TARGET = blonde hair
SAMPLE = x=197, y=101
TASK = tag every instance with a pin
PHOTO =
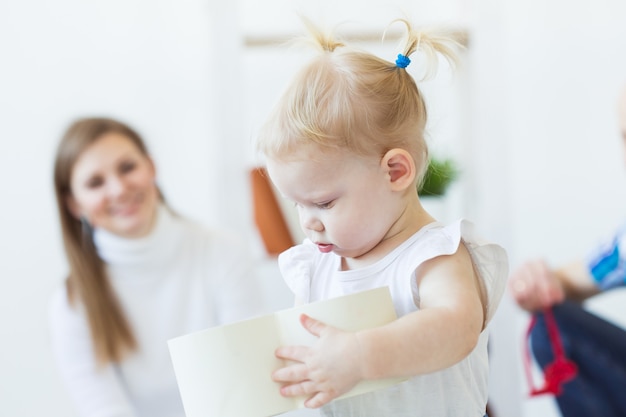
x=87, y=282
x=347, y=99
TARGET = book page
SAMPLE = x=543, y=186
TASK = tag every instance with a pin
x=226, y=371
x=353, y=312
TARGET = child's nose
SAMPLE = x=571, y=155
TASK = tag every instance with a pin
x=312, y=223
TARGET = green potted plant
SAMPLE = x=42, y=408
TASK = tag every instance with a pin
x=439, y=175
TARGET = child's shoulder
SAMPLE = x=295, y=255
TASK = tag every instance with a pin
x=436, y=237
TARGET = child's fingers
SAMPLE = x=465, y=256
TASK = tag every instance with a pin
x=292, y=353
x=298, y=390
x=292, y=373
x=315, y=327
x=318, y=400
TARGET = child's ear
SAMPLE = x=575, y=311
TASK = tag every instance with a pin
x=398, y=164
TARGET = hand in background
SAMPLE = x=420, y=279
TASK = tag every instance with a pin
x=324, y=371
x=535, y=286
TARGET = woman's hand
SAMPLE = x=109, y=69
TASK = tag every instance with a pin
x=534, y=286
x=324, y=371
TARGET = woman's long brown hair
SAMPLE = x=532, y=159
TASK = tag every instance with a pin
x=87, y=281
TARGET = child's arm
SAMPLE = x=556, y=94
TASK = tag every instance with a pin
x=441, y=333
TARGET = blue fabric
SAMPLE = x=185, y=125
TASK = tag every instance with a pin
x=607, y=262
x=599, y=349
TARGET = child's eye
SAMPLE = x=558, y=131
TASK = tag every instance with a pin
x=325, y=205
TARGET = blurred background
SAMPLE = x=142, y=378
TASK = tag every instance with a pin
x=529, y=116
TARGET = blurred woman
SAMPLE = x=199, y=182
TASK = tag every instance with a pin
x=138, y=275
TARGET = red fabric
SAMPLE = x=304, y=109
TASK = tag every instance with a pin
x=556, y=373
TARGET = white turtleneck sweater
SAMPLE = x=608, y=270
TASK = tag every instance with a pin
x=180, y=279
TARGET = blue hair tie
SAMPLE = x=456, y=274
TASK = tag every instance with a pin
x=403, y=61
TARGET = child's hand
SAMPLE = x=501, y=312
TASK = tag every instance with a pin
x=324, y=371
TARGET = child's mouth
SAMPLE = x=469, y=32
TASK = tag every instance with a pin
x=325, y=247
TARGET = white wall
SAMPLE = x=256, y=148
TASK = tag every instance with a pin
x=144, y=61
x=548, y=155
x=536, y=132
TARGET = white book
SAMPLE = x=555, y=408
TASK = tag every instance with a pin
x=225, y=371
